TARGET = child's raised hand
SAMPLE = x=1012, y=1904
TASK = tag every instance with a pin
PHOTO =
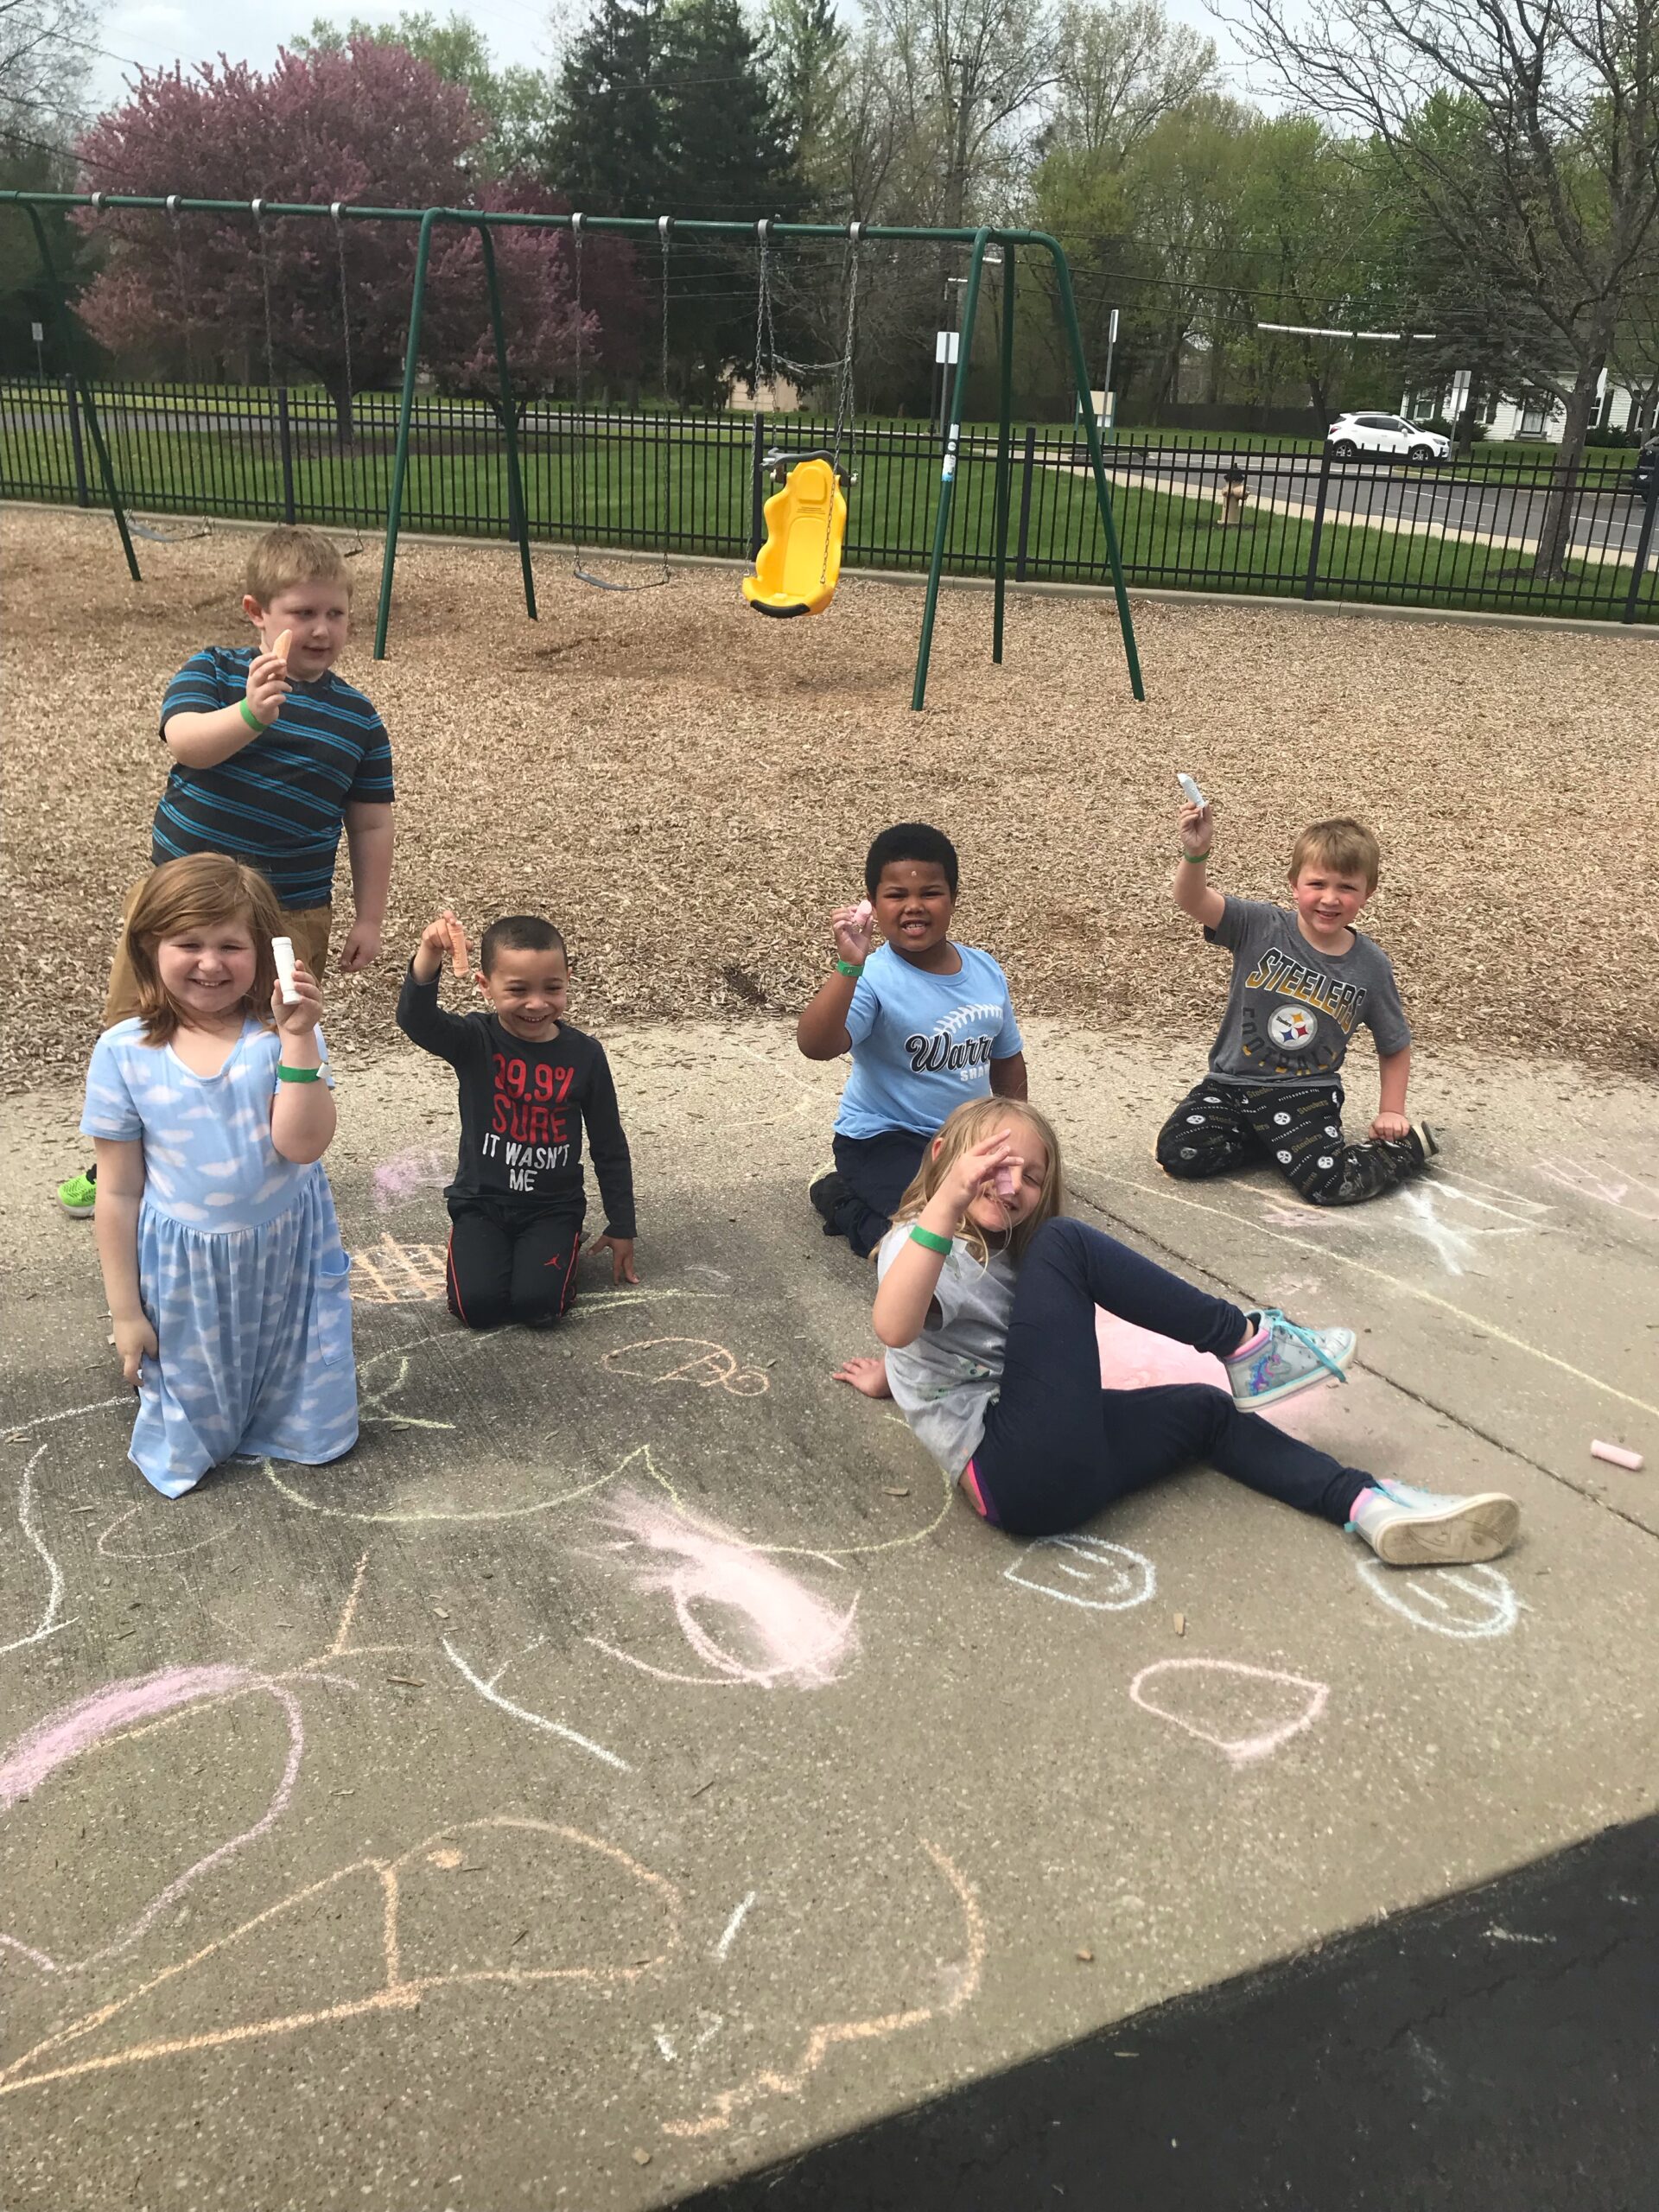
x=975, y=1170
x=441, y=940
x=854, y=932
x=1197, y=827
x=268, y=686
x=302, y=1017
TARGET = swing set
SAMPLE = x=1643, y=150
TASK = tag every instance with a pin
x=798, y=565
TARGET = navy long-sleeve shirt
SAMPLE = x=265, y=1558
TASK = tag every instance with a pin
x=524, y=1108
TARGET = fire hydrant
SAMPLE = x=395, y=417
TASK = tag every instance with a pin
x=1231, y=514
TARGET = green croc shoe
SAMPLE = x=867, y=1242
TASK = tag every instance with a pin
x=77, y=1195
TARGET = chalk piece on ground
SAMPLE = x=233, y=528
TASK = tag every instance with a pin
x=407, y=1682
x=642, y=2158
x=889, y=1487
x=282, y=951
x=1616, y=1455
x=1180, y=1624
x=1085, y=1958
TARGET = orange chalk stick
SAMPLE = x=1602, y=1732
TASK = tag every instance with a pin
x=281, y=647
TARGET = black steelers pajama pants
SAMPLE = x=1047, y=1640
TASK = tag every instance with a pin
x=1218, y=1127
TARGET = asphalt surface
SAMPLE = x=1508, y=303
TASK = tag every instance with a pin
x=631, y=1769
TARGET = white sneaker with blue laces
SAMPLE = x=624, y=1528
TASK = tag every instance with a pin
x=1408, y=1527
x=1282, y=1357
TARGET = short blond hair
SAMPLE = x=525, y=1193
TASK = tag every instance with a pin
x=288, y=556
x=1345, y=846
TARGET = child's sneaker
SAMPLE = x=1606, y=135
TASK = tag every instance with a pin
x=1282, y=1357
x=1407, y=1527
x=824, y=1193
x=79, y=1196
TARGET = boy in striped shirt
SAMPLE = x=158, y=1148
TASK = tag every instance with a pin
x=273, y=755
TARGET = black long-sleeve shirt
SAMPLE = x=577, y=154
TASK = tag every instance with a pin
x=523, y=1108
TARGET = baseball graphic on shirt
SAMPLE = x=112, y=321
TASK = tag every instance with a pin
x=1292, y=1028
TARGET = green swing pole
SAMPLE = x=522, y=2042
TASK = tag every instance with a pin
x=1004, y=456
x=405, y=413
x=1096, y=460
x=517, y=514
x=948, y=467
x=79, y=395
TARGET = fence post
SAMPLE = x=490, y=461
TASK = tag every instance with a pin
x=1028, y=471
x=285, y=439
x=1644, y=545
x=757, y=496
x=83, y=498
x=1318, y=525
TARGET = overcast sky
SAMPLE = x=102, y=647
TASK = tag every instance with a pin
x=157, y=32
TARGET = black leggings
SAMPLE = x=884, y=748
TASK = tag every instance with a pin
x=1221, y=1125
x=507, y=1265
x=1057, y=1447
x=876, y=1173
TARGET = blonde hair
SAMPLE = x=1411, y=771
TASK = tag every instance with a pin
x=199, y=892
x=1345, y=846
x=971, y=1125
x=288, y=556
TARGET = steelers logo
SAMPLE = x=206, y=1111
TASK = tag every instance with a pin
x=1333, y=1129
x=1281, y=1120
x=1292, y=1028
x=1325, y=1160
x=1284, y=1158
x=1195, y=1120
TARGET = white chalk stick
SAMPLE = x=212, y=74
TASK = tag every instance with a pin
x=1191, y=792
x=283, y=951
x=1616, y=1456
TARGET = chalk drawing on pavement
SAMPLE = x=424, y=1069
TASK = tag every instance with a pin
x=1085, y=1571
x=1467, y=1602
x=1627, y=1193
x=489, y=1691
x=696, y=1360
x=1265, y=1707
x=423, y=1168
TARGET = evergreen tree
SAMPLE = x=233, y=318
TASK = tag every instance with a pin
x=603, y=153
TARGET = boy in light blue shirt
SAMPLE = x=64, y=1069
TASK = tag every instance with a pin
x=929, y=1024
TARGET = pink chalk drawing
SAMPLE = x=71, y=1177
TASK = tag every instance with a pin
x=1627, y=1193
x=960, y=1986
x=383, y=1884
x=118, y=1710
x=408, y=1173
x=785, y=1634
x=1132, y=1359
x=1243, y=1750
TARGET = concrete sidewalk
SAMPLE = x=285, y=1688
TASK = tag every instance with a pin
x=631, y=1765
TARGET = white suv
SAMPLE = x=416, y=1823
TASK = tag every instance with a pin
x=1351, y=436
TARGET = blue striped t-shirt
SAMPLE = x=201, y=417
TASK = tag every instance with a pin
x=279, y=803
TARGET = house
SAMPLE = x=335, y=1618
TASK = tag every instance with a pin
x=1534, y=416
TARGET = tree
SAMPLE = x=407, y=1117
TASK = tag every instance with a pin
x=515, y=100
x=809, y=49
x=1549, y=195
x=329, y=126
x=603, y=152
x=45, y=52
x=1118, y=69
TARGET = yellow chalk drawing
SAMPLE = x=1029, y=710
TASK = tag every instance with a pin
x=395, y=1992
x=830, y=2034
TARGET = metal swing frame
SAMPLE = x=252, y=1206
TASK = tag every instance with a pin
x=583, y=574
x=980, y=241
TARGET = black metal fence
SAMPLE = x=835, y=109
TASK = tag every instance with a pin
x=1290, y=523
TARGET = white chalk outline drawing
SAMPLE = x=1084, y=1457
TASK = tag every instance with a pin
x=395, y=1992
x=1403, y=1594
x=48, y=1623
x=1598, y=1183
x=1240, y=1751
x=1091, y=1547
x=696, y=1560
x=489, y=1691
x=1479, y=1322
x=709, y=1367
x=1421, y=1210
x=828, y=2035
x=173, y=1551
x=729, y=1934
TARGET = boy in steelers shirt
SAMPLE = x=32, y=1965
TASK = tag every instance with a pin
x=528, y=1083
x=1303, y=981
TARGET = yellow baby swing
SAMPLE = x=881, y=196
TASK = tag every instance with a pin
x=798, y=565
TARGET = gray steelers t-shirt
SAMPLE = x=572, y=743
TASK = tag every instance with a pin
x=945, y=1379
x=1291, y=1008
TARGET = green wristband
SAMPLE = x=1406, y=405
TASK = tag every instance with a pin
x=298, y=1075
x=250, y=718
x=850, y=968
x=925, y=1237
x=1197, y=859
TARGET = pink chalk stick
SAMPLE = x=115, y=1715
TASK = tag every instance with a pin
x=861, y=913
x=1004, y=1182
x=1616, y=1456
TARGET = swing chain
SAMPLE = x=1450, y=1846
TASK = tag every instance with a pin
x=665, y=232
x=844, y=403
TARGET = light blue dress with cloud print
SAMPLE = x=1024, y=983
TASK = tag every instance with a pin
x=240, y=1267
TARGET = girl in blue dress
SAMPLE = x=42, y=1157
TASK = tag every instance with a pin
x=211, y=1111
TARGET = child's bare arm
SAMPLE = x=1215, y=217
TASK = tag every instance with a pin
x=368, y=842
x=1008, y=1078
x=1392, y=1122
x=203, y=740
x=115, y=1230
x=821, y=1031
x=302, y=1114
x=907, y=1288
x=1193, y=893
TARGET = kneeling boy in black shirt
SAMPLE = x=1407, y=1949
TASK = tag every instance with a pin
x=527, y=1082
